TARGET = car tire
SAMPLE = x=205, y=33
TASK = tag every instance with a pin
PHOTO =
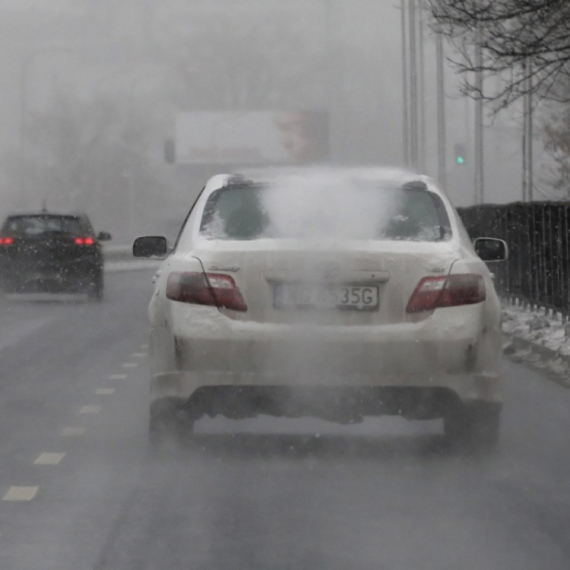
x=169, y=423
x=95, y=291
x=474, y=427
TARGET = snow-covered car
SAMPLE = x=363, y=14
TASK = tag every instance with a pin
x=336, y=294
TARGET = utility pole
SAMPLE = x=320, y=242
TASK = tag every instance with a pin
x=524, y=147
x=412, y=26
x=421, y=94
x=479, y=127
x=530, y=135
x=405, y=98
x=441, y=123
x=527, y=137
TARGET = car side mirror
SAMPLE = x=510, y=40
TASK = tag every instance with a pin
x=104, y=236
x=491, y=249
x=150, y=246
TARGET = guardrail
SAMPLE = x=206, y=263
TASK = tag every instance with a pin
x=538, y=270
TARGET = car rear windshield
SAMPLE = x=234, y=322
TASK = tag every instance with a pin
x=36, y=225
x=364, y=211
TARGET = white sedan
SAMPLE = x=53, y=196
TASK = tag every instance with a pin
x=336, y=294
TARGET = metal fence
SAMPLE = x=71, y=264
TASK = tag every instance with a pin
x=538, y=270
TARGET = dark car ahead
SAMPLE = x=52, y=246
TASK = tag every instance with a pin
x=48, y=252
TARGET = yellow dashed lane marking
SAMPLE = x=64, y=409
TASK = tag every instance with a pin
x=49, y=458
x=20, y=493
x=90, y=409
x=105, y=391
x=73, y=431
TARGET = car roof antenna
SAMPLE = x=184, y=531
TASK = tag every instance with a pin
x=44, y=207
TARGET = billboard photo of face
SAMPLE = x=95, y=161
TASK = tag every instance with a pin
x=253, y=137
x=304, y=135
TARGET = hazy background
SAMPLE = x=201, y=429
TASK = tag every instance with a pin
x=90, y=91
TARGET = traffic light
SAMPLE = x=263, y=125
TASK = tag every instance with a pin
x=460, y=154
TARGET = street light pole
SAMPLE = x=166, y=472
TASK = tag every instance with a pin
x=524, y=143
x=405, y=99
x=441, y=123
x=527, y=136
x=479, y=143
x=421, y=93
x=413, y=86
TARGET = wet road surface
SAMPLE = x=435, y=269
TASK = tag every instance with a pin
x=79, y=488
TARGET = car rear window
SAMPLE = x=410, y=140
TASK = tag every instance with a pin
x=41, y=224
x=246, y=212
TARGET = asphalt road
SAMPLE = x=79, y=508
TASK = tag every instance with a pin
x=79, y=489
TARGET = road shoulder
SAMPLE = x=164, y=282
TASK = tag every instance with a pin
x=539, y=340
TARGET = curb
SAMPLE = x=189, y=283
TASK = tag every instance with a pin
x=542, y=358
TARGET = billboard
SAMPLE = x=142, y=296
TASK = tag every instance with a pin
x=251, y=137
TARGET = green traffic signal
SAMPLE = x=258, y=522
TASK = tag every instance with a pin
x=460, y=154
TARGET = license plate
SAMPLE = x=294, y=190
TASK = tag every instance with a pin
x=308, y=295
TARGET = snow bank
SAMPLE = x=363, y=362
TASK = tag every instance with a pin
x=538, y=339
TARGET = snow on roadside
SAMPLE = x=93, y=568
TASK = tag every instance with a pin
x=537, y=328
x=540, y=340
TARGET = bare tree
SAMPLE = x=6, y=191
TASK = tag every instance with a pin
x=259, y=64
x=555, y=132
x=526, y=44
x=89, y=156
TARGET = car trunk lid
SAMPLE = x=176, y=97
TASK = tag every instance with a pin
x=354, y=283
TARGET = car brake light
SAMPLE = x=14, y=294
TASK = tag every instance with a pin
x=84, y=241
x=451, y=291
x=205, y=289
x=6, y=241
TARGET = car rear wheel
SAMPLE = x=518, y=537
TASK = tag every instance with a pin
x=475, y=427
x=169, y=423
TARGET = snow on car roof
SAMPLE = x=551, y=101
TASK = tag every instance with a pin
x=386, y=176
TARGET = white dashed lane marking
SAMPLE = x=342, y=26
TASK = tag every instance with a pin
x=105, y=391
x=49, y=458
x=139, y=354
x=90, y=409
x=73, y=431
x=20, y=493
x=118, y=376
x=130, y=365
x=144, y=346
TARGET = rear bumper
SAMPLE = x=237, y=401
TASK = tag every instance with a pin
x=68, y=276
x=456, y=349
x=465, y=387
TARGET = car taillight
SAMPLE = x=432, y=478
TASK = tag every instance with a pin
x=451, y=291
x=6, y=240
x=205, y=289
x=84, y=241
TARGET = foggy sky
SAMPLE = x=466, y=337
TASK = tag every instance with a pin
x=94, y=48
